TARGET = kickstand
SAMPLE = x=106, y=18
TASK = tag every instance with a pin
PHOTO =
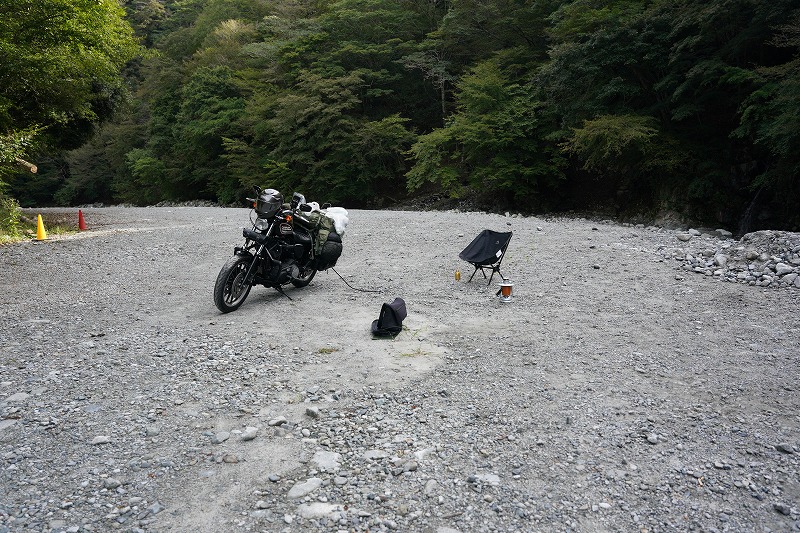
x=280, y=290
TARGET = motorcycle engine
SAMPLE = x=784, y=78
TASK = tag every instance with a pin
x=289, y=270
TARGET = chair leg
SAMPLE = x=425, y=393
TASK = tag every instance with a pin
x=473, y=274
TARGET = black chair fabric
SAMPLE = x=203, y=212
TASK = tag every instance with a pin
x=486, y=252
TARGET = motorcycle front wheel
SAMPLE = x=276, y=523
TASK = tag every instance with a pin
x=230, y=290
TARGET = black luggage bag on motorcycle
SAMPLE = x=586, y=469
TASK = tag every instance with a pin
x=328, y=245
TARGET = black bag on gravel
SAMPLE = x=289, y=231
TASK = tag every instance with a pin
x=390, y=321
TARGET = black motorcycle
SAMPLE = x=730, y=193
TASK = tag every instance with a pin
x=287, y=244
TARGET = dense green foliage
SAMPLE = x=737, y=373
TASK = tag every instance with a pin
x=689, y=105
x=60, y=62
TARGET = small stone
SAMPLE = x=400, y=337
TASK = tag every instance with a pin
x=111, y=483
x=423, y=454
x=784, y=448
x=249, y=433
x=652, y=438
x=101, y=439
x=230, y=458
x=782, y=508
x=316, y=510
x=17, y=397
x=274, y=478
x=220, y=437
x=684, y=237
x=326, y=461
x=262, y=514
x=156, y=508
x=313, y=412
x=431, y=487
x=410, y=466
x=304, y=488
x=277, y=421
x=489, y=479
x=375, y=454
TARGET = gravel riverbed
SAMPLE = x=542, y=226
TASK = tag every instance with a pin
x=640, y=379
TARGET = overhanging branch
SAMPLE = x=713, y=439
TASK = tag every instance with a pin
x=33, y=168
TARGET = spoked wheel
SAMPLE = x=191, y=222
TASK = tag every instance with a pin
x=305, y=277
x=230, y=290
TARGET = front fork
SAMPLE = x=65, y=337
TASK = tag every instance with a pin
x=257, y=258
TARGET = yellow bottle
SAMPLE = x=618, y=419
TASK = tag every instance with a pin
x=458, y=275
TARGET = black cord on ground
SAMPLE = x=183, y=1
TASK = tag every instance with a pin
x=345, y=282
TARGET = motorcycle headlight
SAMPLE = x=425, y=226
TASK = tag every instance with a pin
x=261, y=224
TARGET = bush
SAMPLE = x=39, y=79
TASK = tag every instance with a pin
x=9, y=218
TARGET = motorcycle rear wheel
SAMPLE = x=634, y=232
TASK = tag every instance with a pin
x=230, y=290
x=305, y=277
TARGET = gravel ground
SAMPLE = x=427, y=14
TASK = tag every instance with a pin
x=641, y=379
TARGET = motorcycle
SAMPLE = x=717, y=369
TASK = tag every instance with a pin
x=286, y=245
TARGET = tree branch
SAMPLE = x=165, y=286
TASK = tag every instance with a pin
x=33, y=168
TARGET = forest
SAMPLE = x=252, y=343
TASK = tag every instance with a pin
x=625, y=107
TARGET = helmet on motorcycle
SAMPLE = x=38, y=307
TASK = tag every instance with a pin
x=268, y=203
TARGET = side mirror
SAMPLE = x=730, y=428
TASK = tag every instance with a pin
x=326, y=205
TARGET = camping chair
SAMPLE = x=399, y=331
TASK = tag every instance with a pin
x=486, y=252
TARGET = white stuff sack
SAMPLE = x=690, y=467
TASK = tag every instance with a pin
x=339, y=217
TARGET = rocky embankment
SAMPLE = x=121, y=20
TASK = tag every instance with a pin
x=762, y=258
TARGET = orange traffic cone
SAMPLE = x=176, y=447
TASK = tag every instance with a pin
x=41, y=234
x=81, y=222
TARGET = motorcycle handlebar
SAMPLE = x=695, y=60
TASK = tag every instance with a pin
x=254, y=236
